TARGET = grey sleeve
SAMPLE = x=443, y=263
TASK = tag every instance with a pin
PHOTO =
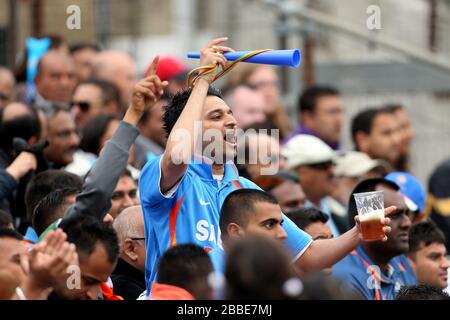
x=95, y=197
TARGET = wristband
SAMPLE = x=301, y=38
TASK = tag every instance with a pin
x=20, y=294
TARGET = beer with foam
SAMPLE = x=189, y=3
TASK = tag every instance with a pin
x=371, y=226
x=370, y=207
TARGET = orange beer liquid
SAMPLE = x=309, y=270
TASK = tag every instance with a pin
x=371, y=226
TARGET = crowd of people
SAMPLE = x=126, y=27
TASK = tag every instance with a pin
x=117, y=188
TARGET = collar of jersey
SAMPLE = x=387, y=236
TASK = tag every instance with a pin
x=202, y=166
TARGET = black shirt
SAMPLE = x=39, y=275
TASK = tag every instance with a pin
x=128, y=282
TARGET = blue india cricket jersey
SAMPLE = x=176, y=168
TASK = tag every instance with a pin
x=360, y=274
x=191, y=213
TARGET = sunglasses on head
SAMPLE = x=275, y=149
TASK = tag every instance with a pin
x=322, y=165
x=84, y=106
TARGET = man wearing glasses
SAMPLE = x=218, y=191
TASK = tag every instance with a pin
x=128, y=277
x=313, y=161
x=92, y=98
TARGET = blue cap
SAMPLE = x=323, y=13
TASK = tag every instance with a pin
x=410, y=187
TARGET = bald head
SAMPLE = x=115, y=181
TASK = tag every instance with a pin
x=55, y=79
x=118, y=68
x=129, y=226
x=15, y=110
x=7, y=83
x=129, y=223
x=248, y=106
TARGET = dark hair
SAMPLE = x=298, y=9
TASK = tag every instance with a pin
x=47, y=181
x=126, y=173
x=176, y=106
x=109, y=91
x=363, y=122
x=86, y=232
x=365, y=186
x=93, y=132
x=421, y=292
x=303, y=217
x=393, y=107
x=239, y=204
x=9, y=233
x=257, y=268
x=84, y=45
x=51, y=208
x=184, y=265
x=424, y=233
x=25, y=127
x=5, y=219
x=147, y=113
x=308, y=99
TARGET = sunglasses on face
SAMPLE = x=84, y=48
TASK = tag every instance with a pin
x=84, y=106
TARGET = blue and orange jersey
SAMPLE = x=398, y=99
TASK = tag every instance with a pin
x=361, y=275
x=191, y=212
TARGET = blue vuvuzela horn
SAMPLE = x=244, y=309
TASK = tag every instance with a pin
x=287, y=58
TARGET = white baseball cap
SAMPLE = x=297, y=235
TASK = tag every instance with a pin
x=305, y=149
x=355, y=164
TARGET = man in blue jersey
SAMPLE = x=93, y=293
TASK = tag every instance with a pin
x=377, y=270
x=253, y=212
x=182, y=191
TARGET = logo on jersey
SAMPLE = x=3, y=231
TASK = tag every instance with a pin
x=204, y=203
x=206, y=231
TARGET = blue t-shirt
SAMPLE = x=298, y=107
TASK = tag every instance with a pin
x=359, y=272
x=191, y=213
x=217, y=257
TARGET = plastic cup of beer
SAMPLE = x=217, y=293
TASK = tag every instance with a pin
x=370, y=206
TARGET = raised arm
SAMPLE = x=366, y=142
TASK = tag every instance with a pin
x=10, y=177
x=95, y=197
x=177, y=155
x=323, y=254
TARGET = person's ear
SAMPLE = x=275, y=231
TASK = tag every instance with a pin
x=362, y=141
x=129, y=249
x=112, y=107
x=306, y=118
x=235, y=231
x=412, y=261
x=37, y=78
